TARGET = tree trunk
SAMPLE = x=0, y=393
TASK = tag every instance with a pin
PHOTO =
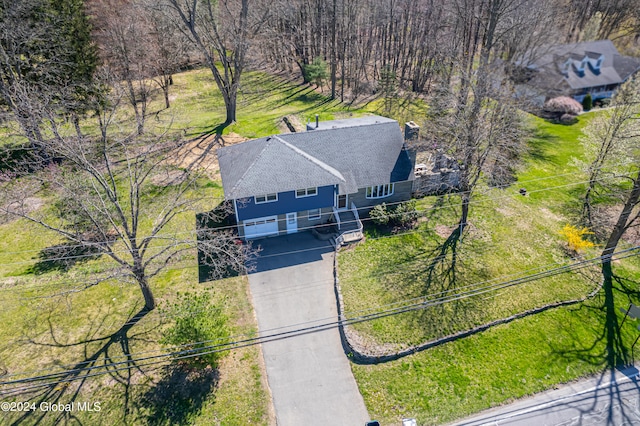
x=466, y=199
x=165, y=91
x=230, y=102
x=622, y=222
x=149, y=300
x=334, y=64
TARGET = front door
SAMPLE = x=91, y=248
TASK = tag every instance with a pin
x=292, y=223
x=341, y=203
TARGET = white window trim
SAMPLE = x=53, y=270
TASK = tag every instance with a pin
x=306, y=192
x=314, y=217
x=369, y=191
x=266, y=200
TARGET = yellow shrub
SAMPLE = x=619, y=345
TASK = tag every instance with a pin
x=574, y=239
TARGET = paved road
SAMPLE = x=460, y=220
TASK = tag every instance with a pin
x=309, y=375
x=610, y=399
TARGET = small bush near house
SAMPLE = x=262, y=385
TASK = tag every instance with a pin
x=379, y=214
x=587, y=102
x=573, y=237
x=198, y=325
x=404, y=214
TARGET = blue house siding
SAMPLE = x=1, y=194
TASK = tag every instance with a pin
x=287, y=202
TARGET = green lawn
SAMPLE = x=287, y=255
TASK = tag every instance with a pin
x=48, y=325
x=510, y=236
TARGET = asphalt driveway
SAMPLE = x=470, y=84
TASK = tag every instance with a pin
x=309, y=375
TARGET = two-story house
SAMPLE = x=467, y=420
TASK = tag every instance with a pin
x=336, y=170
x=594, y=67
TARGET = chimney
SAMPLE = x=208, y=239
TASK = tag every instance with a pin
x=411, y=131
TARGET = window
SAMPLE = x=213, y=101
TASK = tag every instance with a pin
x=308, y=192
x=267, y=198
x=380, y=191
x=313, y=214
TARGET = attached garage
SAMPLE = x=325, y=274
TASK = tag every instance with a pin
x=261, y=227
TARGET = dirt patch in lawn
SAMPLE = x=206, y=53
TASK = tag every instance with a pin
x=200, y=153
x=506, y=212
x=291, y=121
x=444, y=231
x=25, y=206
x=168, y=177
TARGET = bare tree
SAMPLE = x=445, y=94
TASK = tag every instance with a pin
x=610, y=141
x=222, y=32
x=110, y=201
x=484, y=134
x=168, y=50
x=611, y=150
x=45, y=51
x=124, y=39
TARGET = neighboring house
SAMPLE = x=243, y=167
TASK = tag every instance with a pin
x=574, y=70
x=335, y=171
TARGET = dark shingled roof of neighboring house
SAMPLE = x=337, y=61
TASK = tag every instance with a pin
x=368, y=152
x=550, y=74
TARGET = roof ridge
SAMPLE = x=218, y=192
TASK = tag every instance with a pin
x=311, y=158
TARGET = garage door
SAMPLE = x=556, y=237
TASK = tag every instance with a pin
x=261, y=227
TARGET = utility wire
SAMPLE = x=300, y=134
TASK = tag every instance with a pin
x=340, y=322
x=347, y=313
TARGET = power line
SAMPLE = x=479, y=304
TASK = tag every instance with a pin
x=353, y=312
x=255, y=258
x=340, y=322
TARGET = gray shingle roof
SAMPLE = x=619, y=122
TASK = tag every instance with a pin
x=368, y=153
x=270, y=165
x=614, y=69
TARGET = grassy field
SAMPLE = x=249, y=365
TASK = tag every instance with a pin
x=510, y=236
x=50, y=326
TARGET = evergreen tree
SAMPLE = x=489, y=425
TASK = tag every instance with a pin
x=587, y=102
x=316, y=72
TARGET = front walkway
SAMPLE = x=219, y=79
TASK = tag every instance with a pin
x=309, y=375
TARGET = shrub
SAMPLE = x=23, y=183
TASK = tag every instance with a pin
x=198, y=324
x=405, y=213
x=401, y=215
x=573, y=236
x=587, y=102
x=316, y=71
x=568, y=119
x=379, y=214
x=563, y=105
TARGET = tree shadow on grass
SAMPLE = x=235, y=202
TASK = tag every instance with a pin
x=614, y=352
x=63, y=257
x=180, y=394
x=539, y=144
x=65, y=386
x=615, y=355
